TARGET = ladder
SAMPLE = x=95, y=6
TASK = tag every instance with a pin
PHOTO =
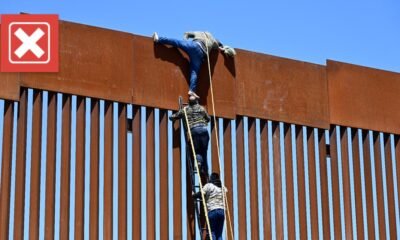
x=192, y=173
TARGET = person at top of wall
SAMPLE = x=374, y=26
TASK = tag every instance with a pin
x=196, y=45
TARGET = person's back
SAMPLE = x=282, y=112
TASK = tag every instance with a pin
x=214, y=196
x=206, y=38
x=197, y=116
x=198, y=119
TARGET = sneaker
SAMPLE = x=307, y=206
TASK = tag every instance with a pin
x=155, y=37
x=191, y=93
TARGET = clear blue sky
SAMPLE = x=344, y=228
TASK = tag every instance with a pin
x=360, y=32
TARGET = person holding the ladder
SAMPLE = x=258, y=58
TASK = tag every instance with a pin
x=215, y=205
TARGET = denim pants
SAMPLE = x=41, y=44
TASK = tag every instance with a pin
x=216, y=218
x=196, y=56
x=200, y=141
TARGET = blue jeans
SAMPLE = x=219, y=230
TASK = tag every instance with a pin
x=196, y=56
x=200, y=141
x=216, y=218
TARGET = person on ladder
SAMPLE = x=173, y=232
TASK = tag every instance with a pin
x=215, y=205
x=197, y=46
x=198, y=119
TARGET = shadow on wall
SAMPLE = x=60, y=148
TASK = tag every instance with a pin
x=179, y=58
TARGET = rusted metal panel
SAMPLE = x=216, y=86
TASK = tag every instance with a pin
x=150, y=181
x=281, y=89
x=346, y=182
x=108, y=171
x=289, y=182
x=397, y=154
x=277, y=180
x=368, y=183
x=312, y=178
x=10, y=86
x=252, y=133
x=265, y=171
x=80, y=169
x=241, y=178
x=164, y=188
x=335, y=182
x=35, y=166
x=363, y=97
x=357, y=184
x=301, y=184
x=98, y=63
x=50, y=164
x=177, y=181
x=122, y=172
x=228, y=177
x=65, y=167
x=379, y=185
x=390, y=187
x=94, y=169
x=20, y=168
x=214, y=150
x=136, y=174
x=324, y=182
x=293, y=92
x=5, y=187
x=162, y=73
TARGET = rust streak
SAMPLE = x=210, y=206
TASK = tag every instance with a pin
x=20, y=168
x=94, y=169
x=65, y=167
x=5, y=186
x=35, y=166
x=80, y=169
x=122, y=172
x=50, y=165
x=108, y=170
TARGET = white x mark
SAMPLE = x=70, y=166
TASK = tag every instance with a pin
x=29, y=43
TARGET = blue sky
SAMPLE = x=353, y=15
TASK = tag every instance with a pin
x=360, y=32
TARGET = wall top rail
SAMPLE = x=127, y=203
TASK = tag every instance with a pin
x=363, y=97
x=124, y=67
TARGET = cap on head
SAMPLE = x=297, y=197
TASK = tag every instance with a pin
x=192, y=100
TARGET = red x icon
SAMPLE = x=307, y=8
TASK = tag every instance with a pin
x=29, y=43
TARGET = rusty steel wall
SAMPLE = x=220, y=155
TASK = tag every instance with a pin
x=128, y=68
x=363, y=97
x=307, y=151
x=101, y=159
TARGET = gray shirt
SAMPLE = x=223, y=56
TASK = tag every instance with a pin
x=206, y=38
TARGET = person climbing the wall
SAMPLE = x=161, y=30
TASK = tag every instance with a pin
x=213, y=194
x=196, y=45
x=198, y=118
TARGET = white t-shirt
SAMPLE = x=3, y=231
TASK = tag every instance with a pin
x=213, y=196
